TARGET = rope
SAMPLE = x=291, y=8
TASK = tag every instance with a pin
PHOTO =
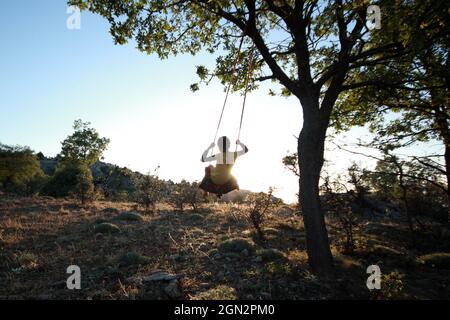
x=233, y=79
x=250, y=66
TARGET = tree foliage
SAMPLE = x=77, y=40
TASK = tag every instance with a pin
x=64, y=181
x=85, y=145
x=405, y=101
x=20, y=170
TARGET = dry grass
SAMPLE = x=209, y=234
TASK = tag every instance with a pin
x=41, y=237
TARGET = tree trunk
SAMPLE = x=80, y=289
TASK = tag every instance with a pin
x=310, y=152
x=447, y=171
x=442, y=123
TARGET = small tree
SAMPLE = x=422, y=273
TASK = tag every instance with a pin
x=84, y=145
x=338, y=203
x=84, y=188
x=176, y=196
x=194, y=196
x=259, y=205
x=148, y=190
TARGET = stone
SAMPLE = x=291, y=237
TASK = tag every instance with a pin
x=159, y=275
x=137, y=281
x=106, y=228
x=172, y=289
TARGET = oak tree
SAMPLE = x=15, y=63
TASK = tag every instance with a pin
x=311, y=48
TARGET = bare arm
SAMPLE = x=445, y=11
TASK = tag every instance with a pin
x=205, y=157
x=244, y=148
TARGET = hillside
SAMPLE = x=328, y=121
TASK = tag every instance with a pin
x=114, y=179
x=211, y=253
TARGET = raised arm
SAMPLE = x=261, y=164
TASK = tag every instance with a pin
x=205, y=157
x=244, y=148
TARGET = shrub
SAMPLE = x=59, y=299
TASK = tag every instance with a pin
x=259, y=205
x=20, y=170
x=129, y=216
x=270, y=254
x=392, y=285
x=34, y=185
x=236, y=245
x=117, y=183
x=339, y=205
x=278, y=268
x=64, y=181
x=84, y=187
x=183, y=193
x=148, y=190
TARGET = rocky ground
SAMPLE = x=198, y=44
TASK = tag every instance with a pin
x=212, y=253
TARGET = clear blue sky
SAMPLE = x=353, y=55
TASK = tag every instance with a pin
x=51, y=75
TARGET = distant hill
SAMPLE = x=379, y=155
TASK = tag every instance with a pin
x=117, y=182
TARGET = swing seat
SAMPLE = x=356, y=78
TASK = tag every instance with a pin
x=218, y=180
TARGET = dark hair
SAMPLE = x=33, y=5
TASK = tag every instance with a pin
x=223, y=143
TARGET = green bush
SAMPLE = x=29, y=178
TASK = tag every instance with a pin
x=270, y=254
x=20, y=170
x=84, y=189
x=129, y=216
x=65, y=180
x=236, y=245
x=148, y=190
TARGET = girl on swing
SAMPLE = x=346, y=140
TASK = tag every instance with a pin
x=218, y=179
